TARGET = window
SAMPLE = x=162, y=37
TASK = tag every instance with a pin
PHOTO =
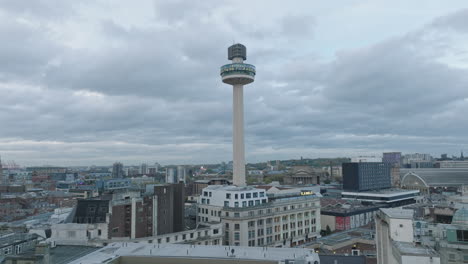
x=244, y=204
x=191, y=235
x=168, y=239
x=228, y=196
x=237, y=215
x=452, y=257
x=260, y=212
x=203, y=200
x=210, y=194
x=236, y=196
x=262, y=194
x=264, y=200
x=251, y=223
x=248, y=195
x=205, y=193
x=207, y=201
x=236, y=204
x=257, y=202
x=227, y=225
x=255, y=195
x=215, y=231
x=236, y=236
x=226, y=203
x=260, y=222
x=462, y=235
x=184, y=236
x=236, y=226
x=242, y=196
x=251, y=203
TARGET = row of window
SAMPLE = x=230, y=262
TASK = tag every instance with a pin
x=191, y=236
x=245, y=203
x=246, y=195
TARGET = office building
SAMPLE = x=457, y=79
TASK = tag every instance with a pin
x=238, y=74
x=117, y=170
x=391, y=157
x=395, y=242
x=251, y=217
x=144, y=168
x=366, y=159
x=383, y=197
x=181, y=174
x=170, y=199
x=171, y=175
x=366, y=176
x=127, y=215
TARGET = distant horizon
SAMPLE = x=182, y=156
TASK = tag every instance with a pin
x=450, y=156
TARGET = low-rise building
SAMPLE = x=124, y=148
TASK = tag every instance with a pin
x=343, y=215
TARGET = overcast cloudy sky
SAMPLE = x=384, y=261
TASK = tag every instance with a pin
x=93, y=82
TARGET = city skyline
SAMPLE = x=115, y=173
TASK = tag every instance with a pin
x=336, y=80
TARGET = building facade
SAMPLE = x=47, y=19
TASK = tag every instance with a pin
x=117, y=170
x=366, y=176
x=395, y=239
x=250, y=217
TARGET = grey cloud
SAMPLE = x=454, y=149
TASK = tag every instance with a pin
x=154, y=93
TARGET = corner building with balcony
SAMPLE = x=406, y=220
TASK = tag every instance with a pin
x=251, y=217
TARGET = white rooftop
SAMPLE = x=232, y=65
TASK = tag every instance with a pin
x=398, y=213
x=383, y=192
x=231, y=188
x=116, y=250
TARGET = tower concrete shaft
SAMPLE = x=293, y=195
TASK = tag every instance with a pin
x=238, y=135
x=238, y=74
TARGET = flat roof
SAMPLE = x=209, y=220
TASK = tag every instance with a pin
x=407, y=248
x=347, y=235
x=398, y=213
x=123, y=249
x=382, y=193
x=232, y=188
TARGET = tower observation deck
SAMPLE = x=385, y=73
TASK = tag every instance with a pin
x=238, y=74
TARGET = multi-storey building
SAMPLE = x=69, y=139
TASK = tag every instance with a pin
x=117, y=170
x=250, y=217
x=391, y=157
x=395, y=241
x=366, y=176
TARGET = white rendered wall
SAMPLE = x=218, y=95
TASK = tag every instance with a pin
x=401, y=230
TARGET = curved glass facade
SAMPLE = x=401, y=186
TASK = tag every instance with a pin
x=237, y=68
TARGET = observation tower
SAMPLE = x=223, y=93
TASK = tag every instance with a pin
x=238, y=74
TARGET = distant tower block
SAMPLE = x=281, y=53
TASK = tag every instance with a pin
x=238, y=74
